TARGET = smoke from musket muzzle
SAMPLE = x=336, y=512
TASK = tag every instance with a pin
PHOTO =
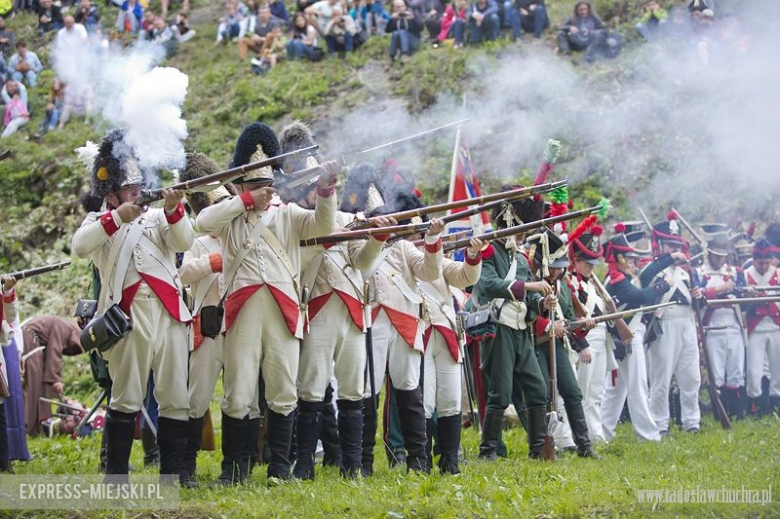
x=127, y=90
x=691, y=120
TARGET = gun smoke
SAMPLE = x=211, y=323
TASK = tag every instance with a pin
x=664, y=124
x=128, y=91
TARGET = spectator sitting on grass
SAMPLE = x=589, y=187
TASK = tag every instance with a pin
x=128, y=20
x=87, y=14
x=10, y=88
x=165, y=4
x=25, y=64
x=526, y=15
x=370, y=16
x=7, y=37
x=265, y=24
x=49, y=17
x=162, y=34
x=271, y=51
x=303, y=39
x=430, y=13
x=6, y=8
x=453, y=23
x=678, y=24
x=279, y=11
x=651, y=24
x=585, y=31
x=340, y=32
x=72, y=35
x=16, y=113
x=405, y=28
x=230, y=24
x=321, y=13
x=181, y=27
x=55, y=103
x=484, y=23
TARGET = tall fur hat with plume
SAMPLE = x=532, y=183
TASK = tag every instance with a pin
x=114, y=166
x=199, y=165
x=509, y=214
x=256, y=142
x=403, y=201
x=296, y=136
x=362, y=192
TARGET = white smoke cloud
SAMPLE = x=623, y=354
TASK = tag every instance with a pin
x=703, y=120
x=128, y=91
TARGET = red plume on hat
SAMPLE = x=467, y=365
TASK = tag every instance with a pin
x=551, y=152
x=620, y=228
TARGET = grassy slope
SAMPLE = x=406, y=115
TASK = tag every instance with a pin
x=514, y=487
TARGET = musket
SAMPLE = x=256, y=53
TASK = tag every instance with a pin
x=548, y=449
x=742, y=301
x=296, y=178
x=24, y=274
x=369, y=344
x=580, y=323
x=646, y=219
x=63, y=404
x=690, y=229
x=506, y=196
x=623, y=330
x=215, y=180
x=446, y=238
x=468, y=371
x=523, y=228
x=720, y=411
x=92, y=411
x=399, y=230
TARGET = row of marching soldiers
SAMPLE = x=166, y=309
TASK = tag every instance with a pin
x=285, y=325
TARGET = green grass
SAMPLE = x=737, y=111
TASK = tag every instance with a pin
x=746, y=457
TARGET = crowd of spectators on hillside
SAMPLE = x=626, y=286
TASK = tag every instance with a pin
x=266, y=33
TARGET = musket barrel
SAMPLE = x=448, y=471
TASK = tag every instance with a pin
x=519, y=229
x=147, y=197
x=28, y=273
x=743, y=301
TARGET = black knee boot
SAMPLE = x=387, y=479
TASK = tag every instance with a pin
x=412, y=414
x=233, y=439
x=172, y=440
x=491, y=434
x=191, y=449
x=429, y=443
x=329, y=432
x=369, y=437
x=103, y=452
x=280, y=433
x=251, y=446
x=151, y=449
x=579, y=431
x=120, y=432
x=350, y=433
x=449, y=443
x=308, y=432
x=537, y=430
x=5, y=462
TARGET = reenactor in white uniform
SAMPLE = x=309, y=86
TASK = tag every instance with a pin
x=335, y=342
x=723, y=325
x=397, y=330
x=264, y=318
x=763, y=326
x=599, y=358
x=443, y=354
x=674, y=347
x=134, y=250
x=201, y=269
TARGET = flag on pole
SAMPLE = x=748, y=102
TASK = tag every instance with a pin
x=465, y=185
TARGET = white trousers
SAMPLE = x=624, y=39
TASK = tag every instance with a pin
x=260, y=340
x=332, y=338
x=391, y=350
x=676, y=354
x=727, y=354
x=441, y=379
x=763, y=345
x=591, y=379
x=159, y=344
x=631, y=383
